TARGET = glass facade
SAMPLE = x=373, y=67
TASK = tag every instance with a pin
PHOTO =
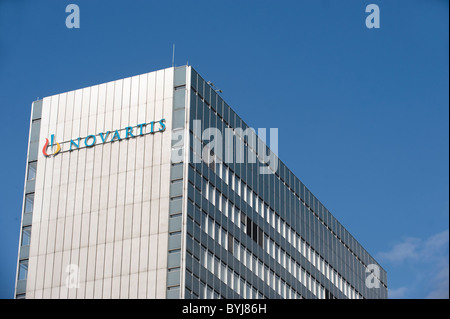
x=252, y=235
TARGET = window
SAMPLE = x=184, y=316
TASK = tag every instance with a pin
x=230, y=243
x=226, y=175
x=26, y=235
x=29, y=200
x=32, y=170
x=212, y=195
x=219, y=196
x=23, y=269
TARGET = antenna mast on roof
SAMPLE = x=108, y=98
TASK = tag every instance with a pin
x=173, y=55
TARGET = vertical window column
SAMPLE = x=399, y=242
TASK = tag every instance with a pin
x=28, y=202
x=176, y=185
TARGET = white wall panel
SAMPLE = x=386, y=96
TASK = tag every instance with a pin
x=104, y=208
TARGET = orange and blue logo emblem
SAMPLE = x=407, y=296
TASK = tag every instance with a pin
x=52, y=142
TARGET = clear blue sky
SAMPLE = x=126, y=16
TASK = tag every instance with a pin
x=363, y=114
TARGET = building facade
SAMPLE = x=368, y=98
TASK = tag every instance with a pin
x=153, y=187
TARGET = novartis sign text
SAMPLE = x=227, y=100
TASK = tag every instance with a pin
x=102, y=137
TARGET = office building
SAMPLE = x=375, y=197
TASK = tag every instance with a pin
x=153, y=187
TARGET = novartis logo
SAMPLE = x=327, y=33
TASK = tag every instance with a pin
x=58, y=146
x=52, y=148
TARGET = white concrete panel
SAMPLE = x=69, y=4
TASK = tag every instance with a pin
x=165, y=181
x=124, y=286
x=86, y=101
x=136, y=222
x=126, y=257
x=143, y=79
x=118, y=234
x=45, y=116
x=157, y=144
x=121, y=188
x=51, y=238
x=117, y=259
x=42, y=242
x=123, y=156
x=64, y=292
x=57, y=273
x=90, y=269
x=161, y=283
x=80, y=291
x=32, y=272
x=134, y=98
x=101, y=227
x=142, y=289
x=71, y=188
x=162, y=251
x=68, y=231
x=117, y=104
x=134, y=263
x=98, y=289
x=168, y=82
x=107, y=288
x=126, y=93
x=156, y=181
x=159, y=94
x=60, y=122
x=110, y=94
x=133, y=286
x=143, y=253
x=106, y=160
x=147, y=187
x=151, y=285
x=39, y=279
x=109, y=257
x=129, y=187
x=148, y=151
x=104, y=189
x=140, y=152
x=69, y=116
x=84, y=237
x=112, y=189
x=49, y=257
x=76, y=231
x=128, y=221
x=46, y=293
x=110, y=221
x=95, y=195
x=125, y=120
x=93, y=105
x=53, y=113
x=38, y=294
x=159, y=105
x=153, y=251
x=99, y=261
x=138, y=185
x=34, y=240
x=154, y=217
x=60, y=230
x=84, y=124
x=55, y=292
x=145, y=219
x=115, y=289
x=89, y=293
x=101, y=102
